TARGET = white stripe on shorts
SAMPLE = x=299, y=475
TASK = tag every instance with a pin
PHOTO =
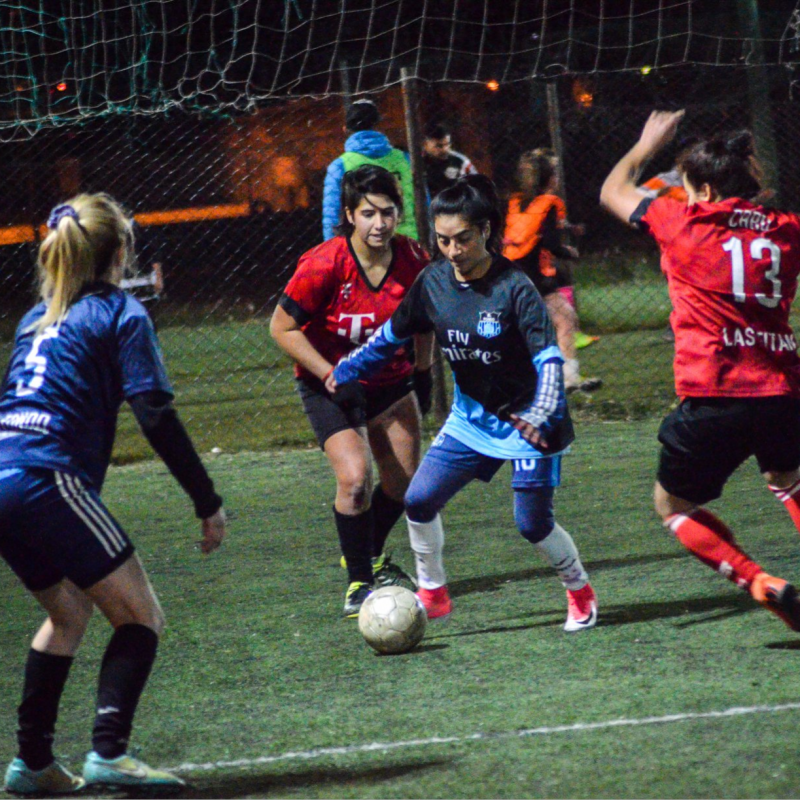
x=95, y=517
x=96, y=511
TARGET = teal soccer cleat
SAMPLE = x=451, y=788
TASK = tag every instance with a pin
x=47, y=782
x=126, y=771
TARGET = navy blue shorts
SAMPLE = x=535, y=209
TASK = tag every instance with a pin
x=53, y=526
x=705, y=439
x=528, y=473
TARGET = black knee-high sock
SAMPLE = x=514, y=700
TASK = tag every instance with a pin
x=355, y=539
x=124, y=672
x=386, y=512
x=45, y=676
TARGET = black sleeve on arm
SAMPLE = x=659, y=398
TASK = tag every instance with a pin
x=551, y=236
x=160, y=424
x=639, y=212
x=293, y=309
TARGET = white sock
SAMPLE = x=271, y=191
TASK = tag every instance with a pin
x=571, y=372
x=559, y=549
x=427, y=542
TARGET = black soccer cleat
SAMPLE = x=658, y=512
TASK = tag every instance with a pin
x=386, y=573
x=357, y=593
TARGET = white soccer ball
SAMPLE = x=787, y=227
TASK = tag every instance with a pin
x=392, y=620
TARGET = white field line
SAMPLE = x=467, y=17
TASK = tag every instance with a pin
x=322, y=752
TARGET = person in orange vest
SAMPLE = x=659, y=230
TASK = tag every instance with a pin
x=532, y=241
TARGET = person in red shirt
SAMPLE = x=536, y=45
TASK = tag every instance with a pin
x=341, y=293
x=731, y=267
x=532, y=241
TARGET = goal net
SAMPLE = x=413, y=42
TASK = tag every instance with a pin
x=215, y=121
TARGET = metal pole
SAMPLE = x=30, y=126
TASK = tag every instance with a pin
x=554, y=124
x=758, y=92
x=410, y=105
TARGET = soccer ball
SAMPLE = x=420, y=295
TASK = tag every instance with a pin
x=392, y=620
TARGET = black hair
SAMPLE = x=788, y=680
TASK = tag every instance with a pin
x=358, y=183
x=436, y=130
x=473, y=197
x=727, y=163
x=363, y=115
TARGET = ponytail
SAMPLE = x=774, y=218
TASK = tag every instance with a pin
x=86, y=235
x=728, y=164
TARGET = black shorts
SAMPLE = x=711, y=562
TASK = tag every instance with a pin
x=327, y=418
x=706, y=438
x=53, y=526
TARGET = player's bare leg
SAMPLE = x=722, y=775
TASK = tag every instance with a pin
x=127, y=600
x=565, y=321
x=350, y=457
x=35, y=770
x=394, y=437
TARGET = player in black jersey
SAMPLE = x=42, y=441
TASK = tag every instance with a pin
x=76, y=356
x=509, y=403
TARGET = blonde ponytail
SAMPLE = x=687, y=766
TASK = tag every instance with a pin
x=88, y=235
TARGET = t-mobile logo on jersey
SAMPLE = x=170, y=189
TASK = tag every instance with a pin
x=356, y=330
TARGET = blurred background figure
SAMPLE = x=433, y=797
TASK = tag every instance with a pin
x=443, y=165
x=366, y=146
x=532, y=240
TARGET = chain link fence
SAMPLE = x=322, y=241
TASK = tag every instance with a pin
x=227, y=202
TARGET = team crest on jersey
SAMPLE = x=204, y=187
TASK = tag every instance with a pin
x=489, y=324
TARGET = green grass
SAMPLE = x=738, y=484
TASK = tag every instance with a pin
x=256, y=663
x=236, y=391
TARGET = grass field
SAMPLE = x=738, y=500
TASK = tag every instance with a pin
x=685, y=688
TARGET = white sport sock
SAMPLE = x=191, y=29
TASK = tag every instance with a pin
x=559, y=549
x=427, y=542
x=571, y=372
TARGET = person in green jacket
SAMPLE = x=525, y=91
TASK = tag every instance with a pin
x=366, y=146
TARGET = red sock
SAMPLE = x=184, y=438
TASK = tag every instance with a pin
x=710, y=540
x=789, y=497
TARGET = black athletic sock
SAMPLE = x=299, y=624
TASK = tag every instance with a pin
x=45, y=676
x=355, y=539
x=386, y=512
x=124, y=672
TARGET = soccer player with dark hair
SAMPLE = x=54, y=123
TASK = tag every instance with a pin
x=365, y=145
x=731, y=267
x=342, y=291
x=443, y=165
x=77, y=355
x=509, y=402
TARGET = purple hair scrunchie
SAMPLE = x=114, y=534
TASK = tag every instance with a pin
x=58, y=213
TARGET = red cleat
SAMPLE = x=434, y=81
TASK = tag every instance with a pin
x=581, y=609
x=779, y=597
x=437, y=602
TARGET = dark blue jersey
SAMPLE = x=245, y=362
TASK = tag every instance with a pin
x=64, y=386
x=496, y=334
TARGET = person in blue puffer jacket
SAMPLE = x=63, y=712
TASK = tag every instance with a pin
x=367, y=146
